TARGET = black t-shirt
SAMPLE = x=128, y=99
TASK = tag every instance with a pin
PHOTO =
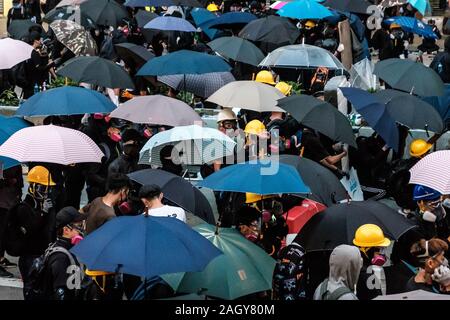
x=314, y=149
x=412, y=285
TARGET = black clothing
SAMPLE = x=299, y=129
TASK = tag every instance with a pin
x=411, y=285
x=313, y=147
x=15, y=14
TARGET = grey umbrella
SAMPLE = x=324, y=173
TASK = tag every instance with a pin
x=18, y=29
x=104, y=12
x=321, y=116
x=237, y=49
x=410, y=76
x=202, y=85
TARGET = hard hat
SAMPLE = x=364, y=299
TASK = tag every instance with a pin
x=253, y=197
x=425, y=193
x=40, y=175
x=255, y=127
x=419, y=147
x=95, y=273
x=394, y=25
x=265, y=77
x=284, y=88
x=370, y=235
x=212, y=7
x=310, y=24
x=226, y=114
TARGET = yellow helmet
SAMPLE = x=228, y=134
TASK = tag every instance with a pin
x=284, y=88
x=253, y=197
x=212, y=7
x=310, y=24
x=255, y=127
x=394, y=26
x=370, y=235
x=265, y=77
x=96, y=273
x=419, y=147
x=40, y=175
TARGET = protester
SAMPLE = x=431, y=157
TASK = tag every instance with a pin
x=152, y=196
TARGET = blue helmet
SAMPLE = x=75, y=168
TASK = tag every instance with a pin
x=425, y=193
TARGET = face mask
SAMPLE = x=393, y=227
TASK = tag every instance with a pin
x=147, y=133
x=446, y=203
x=98, y=116
x=378, y=260
x=445, y=262
x=428, y=216
x=125, y=207
x=266, y=216
x=75, y=240
x=115, y=137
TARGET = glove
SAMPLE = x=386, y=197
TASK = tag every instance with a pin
x=340, y=48
x=442, y=276
x=47, y=205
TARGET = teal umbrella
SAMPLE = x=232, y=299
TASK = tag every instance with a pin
x=243, y=269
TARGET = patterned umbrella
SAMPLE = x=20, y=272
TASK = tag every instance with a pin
x=432, y=171
x=74, y=37
x=202, y=85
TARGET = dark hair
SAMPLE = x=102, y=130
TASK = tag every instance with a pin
x=60, y=231
x=116, y=182
x=435, y=246
x=149, y=191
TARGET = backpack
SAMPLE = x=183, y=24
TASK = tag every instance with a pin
x=36, y=286
x=19, y=75
x=335, y=295
x=440, y=66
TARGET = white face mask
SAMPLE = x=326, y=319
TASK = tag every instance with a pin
x=446, y=203
x=428, y=216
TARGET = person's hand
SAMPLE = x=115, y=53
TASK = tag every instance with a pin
x=343, y=174
x=47, y=205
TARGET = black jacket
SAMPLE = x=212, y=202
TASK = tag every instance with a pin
x=123, y=164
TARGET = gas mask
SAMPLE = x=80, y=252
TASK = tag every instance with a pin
x=39, y=191
x=115, y=137
x=251, y=232
x=379, y=260
x=435, y=214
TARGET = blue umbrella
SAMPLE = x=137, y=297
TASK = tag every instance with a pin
x=441, y=104
x=145, y=246
x=230, y=19
x=9, y=126
x=183, y=62
x=413, y=25
x=423, y=6
x=375, y=113
x=170, y=24
x=148, y=3
x=304, y=9
x=200, y=16
x=261, y=177
x=65, y=101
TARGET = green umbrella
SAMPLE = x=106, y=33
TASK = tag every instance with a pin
x=243, y=269
x=237, y=49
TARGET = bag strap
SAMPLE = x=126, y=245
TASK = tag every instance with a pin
x=323, y=289
x=339, y=292
x=54, y=249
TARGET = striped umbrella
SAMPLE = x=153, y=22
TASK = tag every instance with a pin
x=51, y=144
x=432, y=171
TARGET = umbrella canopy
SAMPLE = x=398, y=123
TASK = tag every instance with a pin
x=337, y=224
x=51, y=144
x=410, y=76
x=157, y=109
x=355, y=6
x=161, y=3
x=177, y=190
x=74, y=37
x=170, y=24
x=65, y=101
x=414, y=295
x=375, y=113
x=13, y=52
x=183, y=62
x=325, y=186
x=271, y=29
x=143, y=17
x=69, y=13
x=361, y=75
x=96, y=71
x=262, y=177
x=423, y=6
x=321, y=116
x=132, y=52
x=145, y=246
x=230, y=20
x=243, y=269
x=249, y=95
x=202, y=85
x=64, y=3
x=195, y=144
x=104, y=12
x=301, y=56
x=413, y=25
x=18, y=29
x=237, y=49
x=200, y=16
x=305, y=9
x=9, y=126
x=432, y=171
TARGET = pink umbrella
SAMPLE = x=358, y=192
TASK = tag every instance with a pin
x=278, y=5
x=433, y=171
x=13, y=52
x=51, y=144
x=157, y=109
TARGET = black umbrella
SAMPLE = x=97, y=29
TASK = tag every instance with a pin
x=355, y=6
x=96, y=71
x=18, y=29
x=237, y=49
x=188, y=3
x=104, y=12
x=337, y=225
x=319, y=115
x=143, y=17
x=325, y=186
x=68, y=13
x=178, y=191
x=271, y=29
x=132, y=52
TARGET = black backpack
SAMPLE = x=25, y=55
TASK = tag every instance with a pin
x=440, y=66
x=37, y=289
x=19, y=75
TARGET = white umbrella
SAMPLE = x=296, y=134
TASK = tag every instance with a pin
x=51, y=144
x=432, y=171
x=249, y=95
x=361, y=75
x=194, y=145
x=13, y=52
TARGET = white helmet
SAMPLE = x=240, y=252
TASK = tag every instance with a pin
x=226, y=114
